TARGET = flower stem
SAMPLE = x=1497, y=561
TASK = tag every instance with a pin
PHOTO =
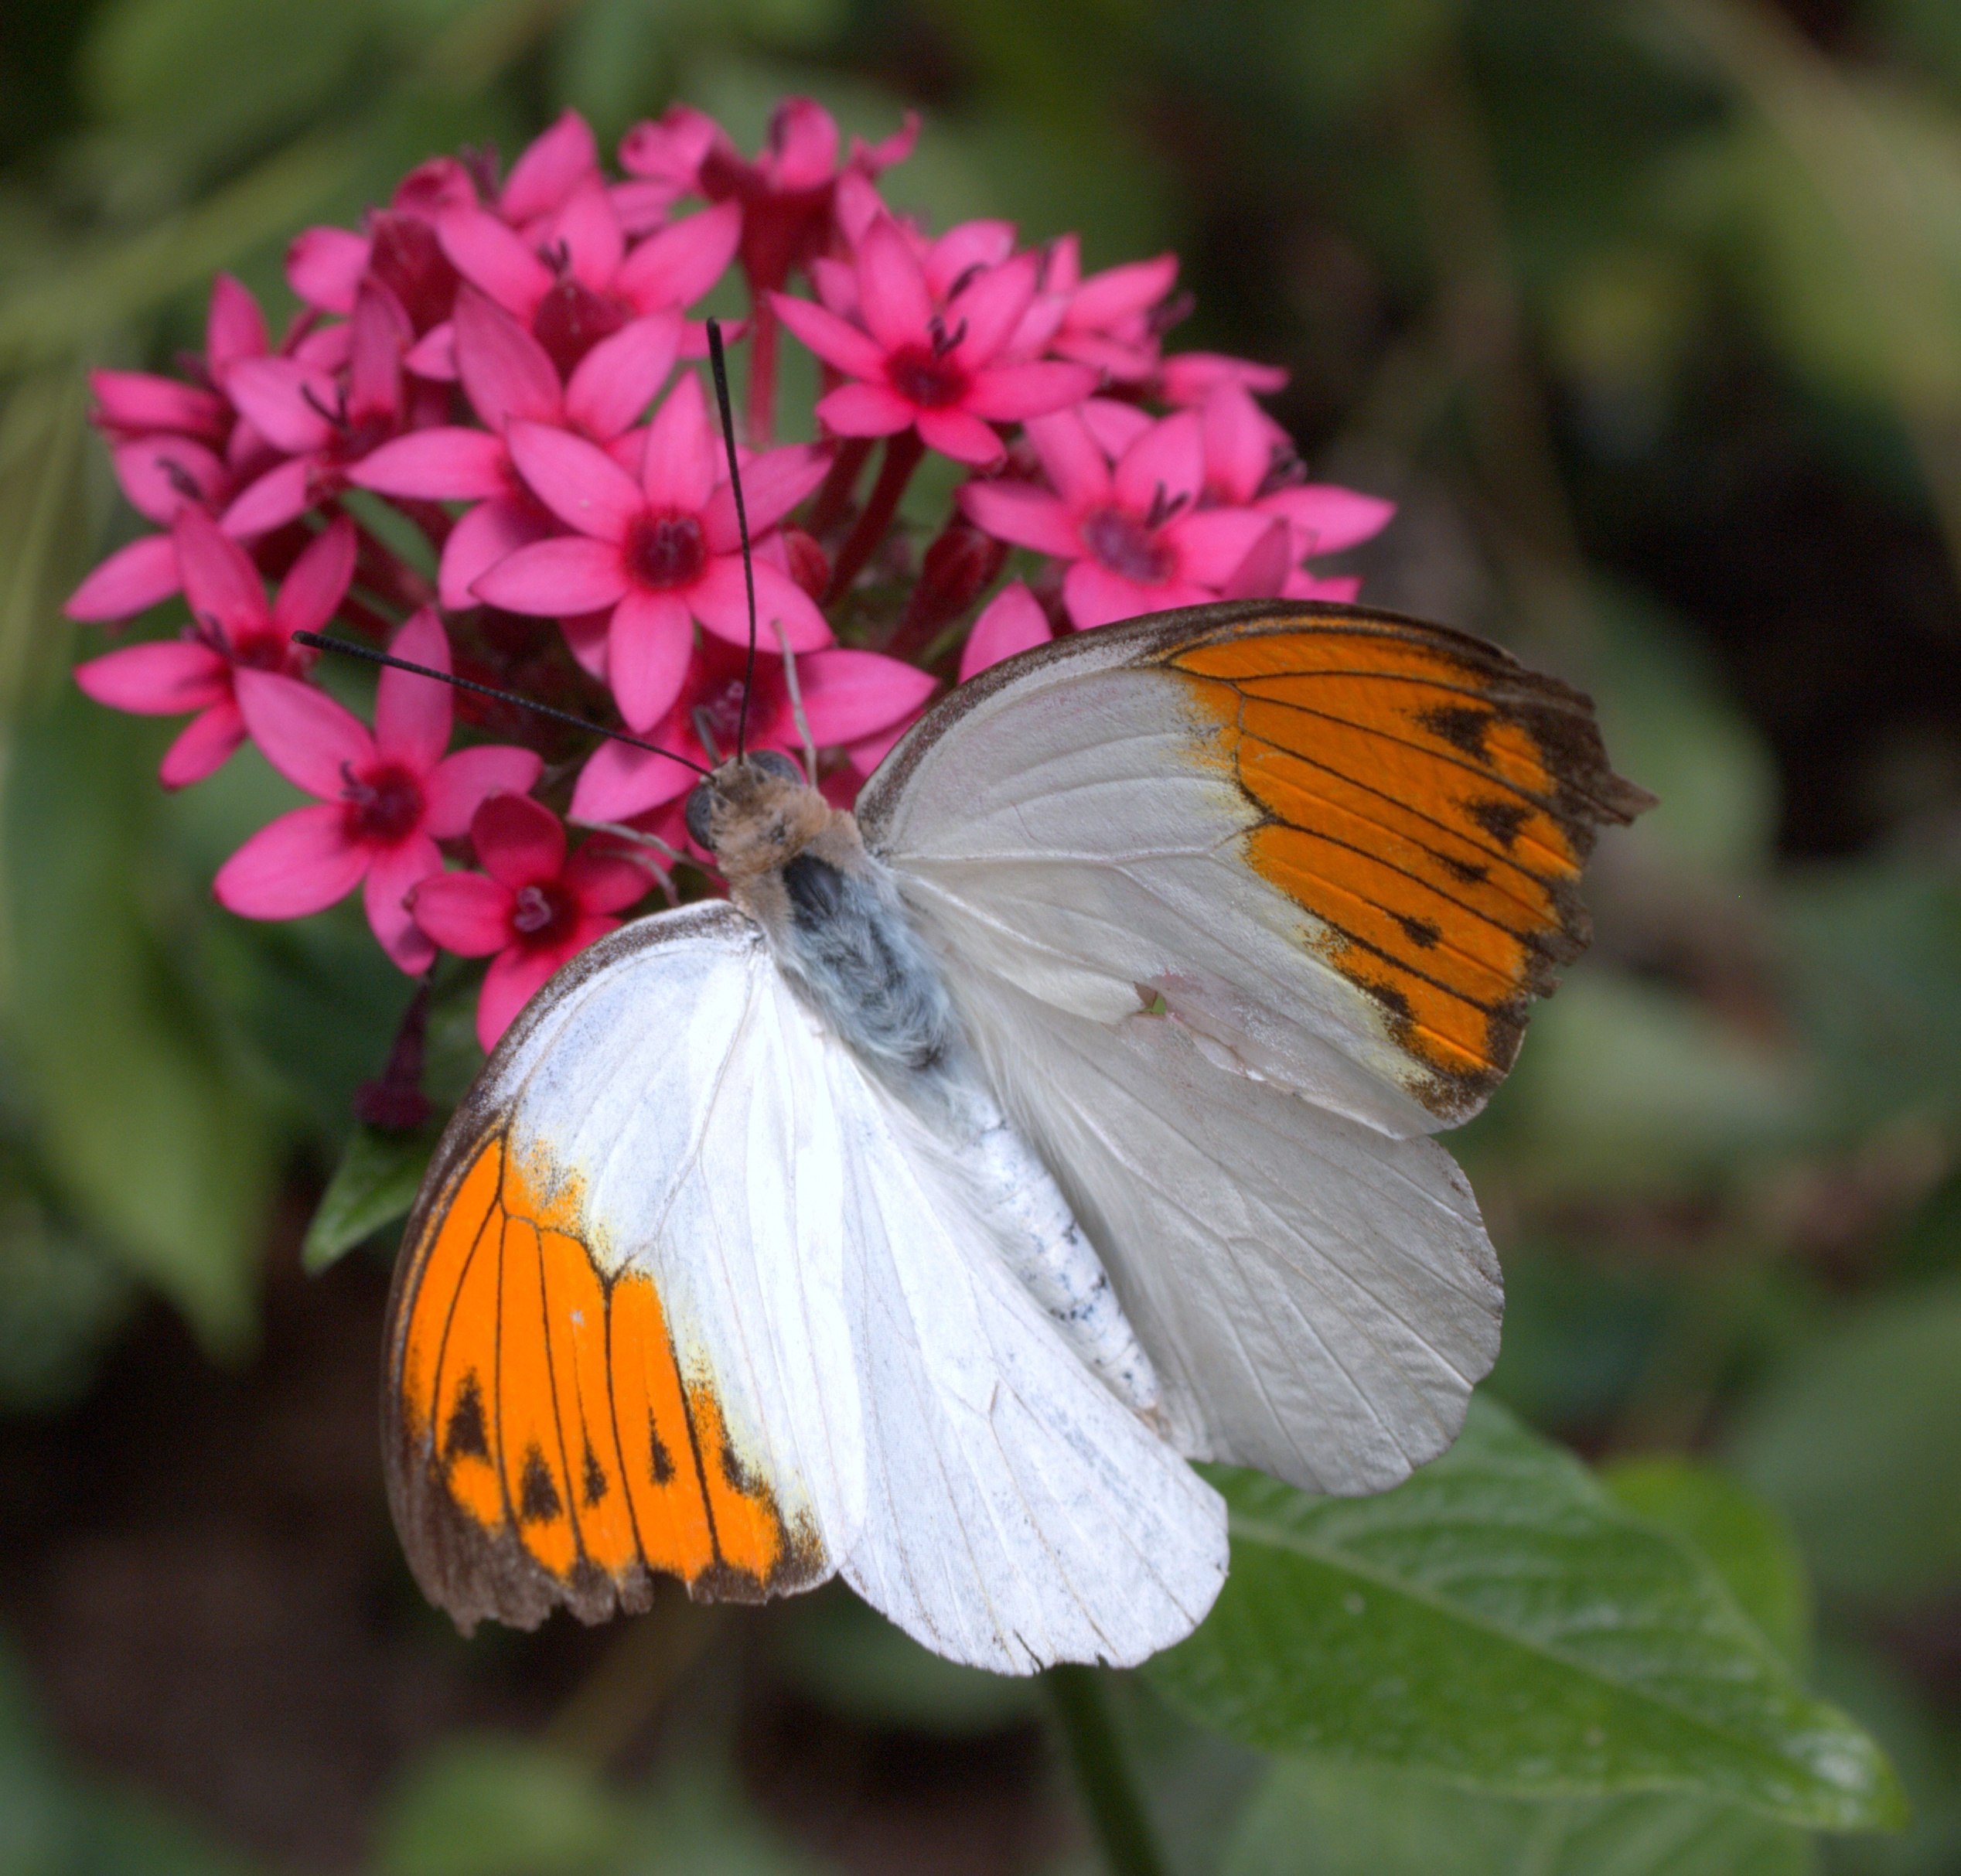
x=834, y=498
x=1081, y=1706
x=763, y=370
x=902, y=458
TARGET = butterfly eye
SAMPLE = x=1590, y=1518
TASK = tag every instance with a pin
x=701, y=808
x=774, y=761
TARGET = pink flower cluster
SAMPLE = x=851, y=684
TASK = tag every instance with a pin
x=508, y=363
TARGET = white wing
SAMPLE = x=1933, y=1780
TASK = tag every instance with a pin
x=1338, y=852
x=867, y=1389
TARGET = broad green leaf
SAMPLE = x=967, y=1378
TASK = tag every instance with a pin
x=1328, y=1820
x=1859, y=1444
x=493, y=1807
x=697, y=1821
x=1499, y=1621
x=374, y=1185
x=1738, y=1532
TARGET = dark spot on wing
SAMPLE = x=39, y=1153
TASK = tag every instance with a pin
x=1470, y=871
x=661, y=1460
x=538, y=1497
x=1420, y=932
x=739, y=1476
x=596, y=1478
x=466, y=1436
x=1501, y=820
x=1461, y=727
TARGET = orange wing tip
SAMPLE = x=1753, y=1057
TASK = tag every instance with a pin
x=1429, y=803
x=542, y=1449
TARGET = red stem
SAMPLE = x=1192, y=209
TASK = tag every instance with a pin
x=834, y=497
x=763, y=370
x=902, y=454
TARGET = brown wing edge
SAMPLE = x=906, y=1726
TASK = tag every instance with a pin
x=1588, y=795
x=473, y=1574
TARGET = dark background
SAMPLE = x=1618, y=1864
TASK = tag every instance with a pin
x=1649, y=315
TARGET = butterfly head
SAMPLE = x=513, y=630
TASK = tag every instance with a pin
x=756, y=814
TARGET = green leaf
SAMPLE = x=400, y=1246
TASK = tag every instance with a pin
x=374, y=1185
x=491, y=1806
x=1328, y=1820
x=1859, y=1444
x=1499, y=1621
x=1738, y=1532
x=697, y=1821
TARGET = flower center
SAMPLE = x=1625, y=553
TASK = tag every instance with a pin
x=541, y=912
x=667, y=550
x=571, y=319
x=1126, y=546
x=383, y=806
x=260, y=651
x=930, y=379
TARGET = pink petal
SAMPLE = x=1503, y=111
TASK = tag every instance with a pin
x=434, y=355
x=604, y=879
x=131, y=580
x=617, y=380
x=964, y=437
x=586, y=635
x=865, y=410
x=870, y=159
x=1013, y=621
x=1095, y=596
x=506, y=372
x=555, y=578
x=379, y=334
x=772, y=484
x=153, y=470
x=676, y=267
x=1115, y=425
x=1212, y=544
x=719, y=601
x=579, y=482
x=454, y=789
x=1007, y=394
x=1120, y=292
x=515, y=976
x=677, y=472
x=492, y=531
x=203, y=745
x=1169, y=458
x=463, y=912
x=966, y=247
x=1341, y=588
x=619, y=782
x=273, y=395
x=836, y=341
x=1029, y=517
x=849, y=694
x=139, y=401
x=1239, y=443
x=300, y=863
x=280, y=495
x=156, y=679
x=518, y=841
x=1328, y=519
x=1191, y=377
x=443, y=465
x=1264, y=571
x=413, y=714
x=864, y=757
x=394, y=874
x=803, y=144
x=991, y=309
x=648, y=652
x=550, y=167
x=324, y=267
x=891, y=290
x=489, y=256
x=313, y=589
x=1071, y=460
x=305, y=734
x=219, y=582
x=588, y=231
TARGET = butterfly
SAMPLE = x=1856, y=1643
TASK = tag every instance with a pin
x=1063, y=1115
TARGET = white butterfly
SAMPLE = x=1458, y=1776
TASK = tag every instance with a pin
x=916, y=1214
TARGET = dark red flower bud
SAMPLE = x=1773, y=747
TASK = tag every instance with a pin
x=810, y=565
x=960, y=564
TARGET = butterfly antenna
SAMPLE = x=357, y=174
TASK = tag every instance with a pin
x=718, y=364
x=320, y=643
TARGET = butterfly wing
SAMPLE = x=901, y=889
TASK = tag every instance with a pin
x=1238, y=903
x=685, y=1293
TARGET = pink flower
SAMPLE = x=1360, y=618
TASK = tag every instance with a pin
x=532, y=906
x=1011, y=622
x=509, y=378
x=861, y=701
x=325, y=266
x=654, y=554
x=1112, y=321
x=235, y=630
x=579, y=282
x=385, y=797
x=1133, y=533
x=929, y=363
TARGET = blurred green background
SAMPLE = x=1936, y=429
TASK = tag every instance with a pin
x=1648, y=314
